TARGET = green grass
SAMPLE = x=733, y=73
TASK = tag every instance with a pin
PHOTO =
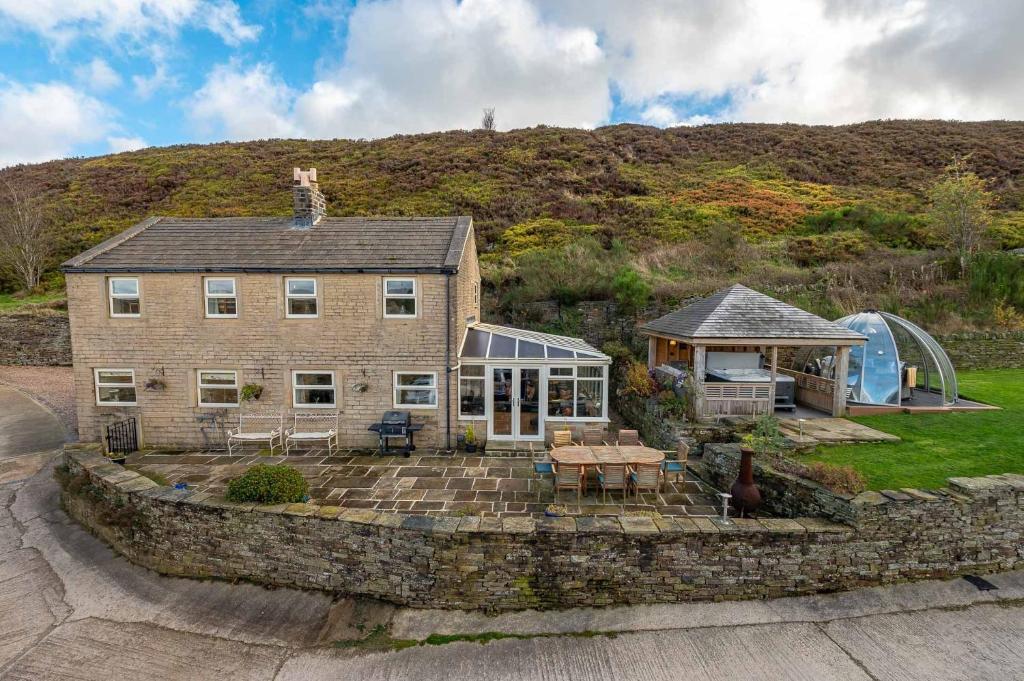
x=11, y=303
x=940, y=446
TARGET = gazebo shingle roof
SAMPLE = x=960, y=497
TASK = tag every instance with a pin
x=274, y=244
x=738, y=312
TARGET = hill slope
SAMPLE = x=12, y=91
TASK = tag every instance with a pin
x=804, y=196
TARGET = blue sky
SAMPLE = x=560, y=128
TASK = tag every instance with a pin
x=93, y=76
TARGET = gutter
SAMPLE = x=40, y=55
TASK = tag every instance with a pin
x=282, y=270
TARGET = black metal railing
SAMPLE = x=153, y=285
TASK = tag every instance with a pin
x=123, y=437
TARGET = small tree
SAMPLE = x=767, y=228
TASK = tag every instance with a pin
x=26, y=240
x=631, y=291
x=487, y=122
x=960, y=203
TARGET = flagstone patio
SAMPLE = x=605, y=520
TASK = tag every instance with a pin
x=430, y=484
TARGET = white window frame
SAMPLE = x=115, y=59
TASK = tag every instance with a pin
x=395, y=389
x=97, y=385
x=483, y=381
x=219, y=386
x=306, y=405
x=400, y=296
x=111, y=297
x=574, y=379
x=301, y=296
x=207, y=297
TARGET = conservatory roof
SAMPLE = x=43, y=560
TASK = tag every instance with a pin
x=487, y=341
x=741, y=314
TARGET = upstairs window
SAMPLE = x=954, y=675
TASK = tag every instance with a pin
x=313, y=389
x=400, y=298
x=221, y=300
x=218, y=388
x=300, y=298
x=115, y=387
x=415, y=390
x=124, y=297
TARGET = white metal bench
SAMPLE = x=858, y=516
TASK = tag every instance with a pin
x=267, y=428
x=321, y=427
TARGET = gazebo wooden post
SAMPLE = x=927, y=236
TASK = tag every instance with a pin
x=699, y=370
x=652, y=352
x=842, y=371
x=775, y=371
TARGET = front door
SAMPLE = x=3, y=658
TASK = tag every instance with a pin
x=516, y=412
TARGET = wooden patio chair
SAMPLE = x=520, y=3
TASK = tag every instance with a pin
x=267, y=428
x=646, y=476
x=317, y=427
x=569, y=476
x=593, y=437
x=629, y=438
x=612, y=476
x=543, y=467
x=676, y=466
x=561, y=438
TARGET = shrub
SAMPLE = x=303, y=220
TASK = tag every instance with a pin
x=265, y=484
x=631, y=291
x=639, y=381
x=842, y=479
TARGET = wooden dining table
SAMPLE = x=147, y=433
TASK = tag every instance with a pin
x=595, y=455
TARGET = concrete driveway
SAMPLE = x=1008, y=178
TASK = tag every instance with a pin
x=25, y=426
x=72, y=609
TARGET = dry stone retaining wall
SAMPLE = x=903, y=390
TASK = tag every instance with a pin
x=35, y=339
x=992, y=350
x=515, y=563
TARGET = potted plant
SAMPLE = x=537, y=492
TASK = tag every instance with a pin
x=155, y=384
x=251, y=392
x=116, y=457
x=470, y=440
x=556, y=511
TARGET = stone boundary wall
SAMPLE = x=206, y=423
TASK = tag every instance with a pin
x=515, y=563
x=985, y=350
x=35, y=339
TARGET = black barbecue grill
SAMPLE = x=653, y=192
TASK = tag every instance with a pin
x=394, y=426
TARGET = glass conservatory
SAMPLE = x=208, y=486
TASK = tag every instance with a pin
x=900, y=363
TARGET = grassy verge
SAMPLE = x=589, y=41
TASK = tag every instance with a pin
x=12, y=303
x=379, y=639
x=940, y=446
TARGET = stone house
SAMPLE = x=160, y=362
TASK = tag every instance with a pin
x=177, y=320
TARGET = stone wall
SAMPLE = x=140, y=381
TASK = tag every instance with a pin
x=985, y=350
x=172, y=339
x=38, y=338
x=515, y=563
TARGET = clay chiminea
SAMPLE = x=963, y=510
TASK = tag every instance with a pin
x=746, y=498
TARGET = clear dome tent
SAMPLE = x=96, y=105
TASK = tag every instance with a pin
x=900, y=362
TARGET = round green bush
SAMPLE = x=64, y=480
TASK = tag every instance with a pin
x=265, y=484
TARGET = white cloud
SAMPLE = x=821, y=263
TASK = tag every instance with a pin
x=466, y=56
x=146, y=86
x=98, y=75
x=244, y=103
x=43, y=121
x=119, y=144
x=61, y=21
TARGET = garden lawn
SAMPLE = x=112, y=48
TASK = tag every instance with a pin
x=940, y=446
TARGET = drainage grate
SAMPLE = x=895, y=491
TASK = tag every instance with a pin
x=980, y=583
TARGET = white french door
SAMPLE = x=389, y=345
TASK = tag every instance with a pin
x=515, y=403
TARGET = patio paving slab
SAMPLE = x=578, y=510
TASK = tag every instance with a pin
x=428, y=484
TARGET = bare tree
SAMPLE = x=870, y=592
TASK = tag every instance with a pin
x=26, y=240
x=960, y=203
x=487, y=123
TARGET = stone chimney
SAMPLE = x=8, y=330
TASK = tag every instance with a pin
x=310, y=205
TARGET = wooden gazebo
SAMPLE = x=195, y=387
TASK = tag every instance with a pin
x=741, y=320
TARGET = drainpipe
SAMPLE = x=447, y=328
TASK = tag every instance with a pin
x=448, y=362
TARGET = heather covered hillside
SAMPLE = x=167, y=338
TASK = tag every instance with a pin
x=830, y=218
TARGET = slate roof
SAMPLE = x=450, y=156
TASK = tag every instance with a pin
x=742, y=313
x=165, y=244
